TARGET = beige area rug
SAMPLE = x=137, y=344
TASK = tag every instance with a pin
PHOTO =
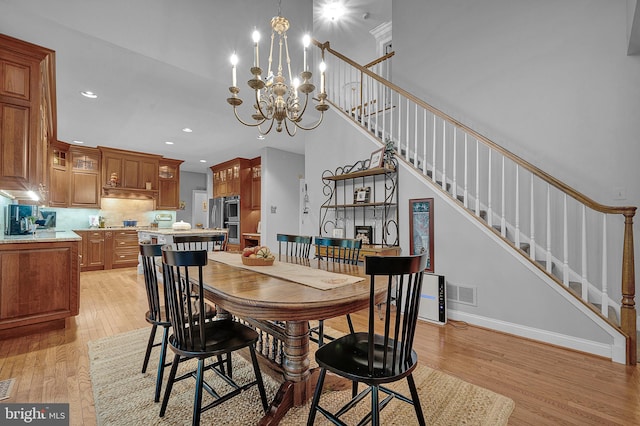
x=124, y=396
x=5, y=388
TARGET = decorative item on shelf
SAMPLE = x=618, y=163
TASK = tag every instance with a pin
x=257, y=256
x=361, y=195
x=389, y=161
x=147, y=185
x=376, y=158
x=275, y=101
x=421, y=228
x=113, y=180
x=337, y=233
x=182, y=205
x=364, y=233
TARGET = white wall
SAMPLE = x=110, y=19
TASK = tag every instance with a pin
x=510, y=295
x=549, y=80
x=281, y=172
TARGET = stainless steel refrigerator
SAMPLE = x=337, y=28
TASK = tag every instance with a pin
x=216, y=213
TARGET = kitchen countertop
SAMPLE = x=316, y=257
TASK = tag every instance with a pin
x=40, y=237
x=193, y=231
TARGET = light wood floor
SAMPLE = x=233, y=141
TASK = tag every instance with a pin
x=549, y=385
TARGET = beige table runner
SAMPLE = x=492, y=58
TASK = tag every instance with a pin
x=301, y=274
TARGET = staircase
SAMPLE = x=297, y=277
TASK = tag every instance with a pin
x=577, y=242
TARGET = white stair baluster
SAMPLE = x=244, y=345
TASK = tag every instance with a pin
x=489, y=191
x=565, y=244
x=466, y=172
x=585, y=289
x=548, y=259
x=605, y=290
x=532, y=240
x=517, y=236
x=408, y=124
x=503, y=217
x=477, y=178
x=433, y=157
x=415, y=138
x=455, y=160
x=444, y=155
x=424, y=149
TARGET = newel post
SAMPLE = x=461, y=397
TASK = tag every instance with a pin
x=628, y=310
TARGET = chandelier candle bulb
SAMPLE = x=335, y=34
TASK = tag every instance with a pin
x=323, y=68
x=256, y=39
x=306, y=40
x=234, y=61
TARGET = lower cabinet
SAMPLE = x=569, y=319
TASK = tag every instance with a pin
x=124, y=249
x=108, y=249
x=39, y=286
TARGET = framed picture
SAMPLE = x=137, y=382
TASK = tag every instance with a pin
x=361, y=195
x=376, y=158
x=421, y=228
x=364, y=233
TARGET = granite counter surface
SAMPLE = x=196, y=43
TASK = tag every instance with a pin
x=40, y=237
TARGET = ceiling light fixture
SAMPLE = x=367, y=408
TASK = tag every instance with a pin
x=203, y=161
x=88, y=94
x=169, y=143
x=334, y=11
x=275, y=101
x=187, y=130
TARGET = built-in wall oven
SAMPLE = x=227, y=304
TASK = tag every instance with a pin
x=232, y=208
x=233, y=230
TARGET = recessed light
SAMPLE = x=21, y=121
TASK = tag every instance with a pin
x=78, y=141
x=187, y=130
x=88, y=94
x=169, y=143
x=203, y=161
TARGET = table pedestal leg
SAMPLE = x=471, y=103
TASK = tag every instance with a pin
x=297, y=388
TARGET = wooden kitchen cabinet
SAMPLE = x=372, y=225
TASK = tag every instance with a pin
x=228, y=177
x=27, y=113
x=39, y=286
x=168, y=184
x=124, y=249
x=84, y=185
x=133, y=170
x=59, y=174
x=92, y=250
x=256, y=183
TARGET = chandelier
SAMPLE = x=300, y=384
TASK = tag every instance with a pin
x=277, y=102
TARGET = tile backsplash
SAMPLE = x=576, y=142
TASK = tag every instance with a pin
x=114, y=210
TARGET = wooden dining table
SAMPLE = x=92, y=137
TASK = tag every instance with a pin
x=253, y=294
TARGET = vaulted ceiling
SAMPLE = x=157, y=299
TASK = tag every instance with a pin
x=159, y=66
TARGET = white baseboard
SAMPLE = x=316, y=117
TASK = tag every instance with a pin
x=615, y=352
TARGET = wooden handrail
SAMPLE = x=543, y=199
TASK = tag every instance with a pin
x=518, y=160
x=380, y=59
x=628, y=313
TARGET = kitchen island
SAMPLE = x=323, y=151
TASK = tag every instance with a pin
x=39, y=282
x=165, y=235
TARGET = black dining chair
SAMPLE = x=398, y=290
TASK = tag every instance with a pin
x=196, y=337
x=293, y=246
x=378, y=359
x=212, y=242
x=340, y=250
x=157, y=314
